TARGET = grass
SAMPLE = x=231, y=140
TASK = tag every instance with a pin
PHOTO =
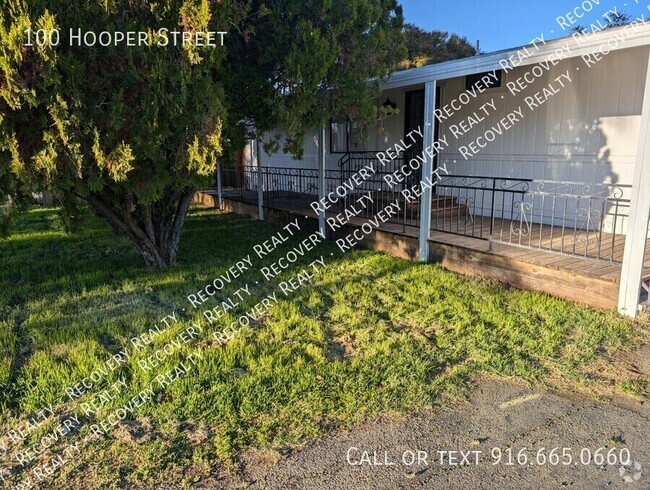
x=371, y=334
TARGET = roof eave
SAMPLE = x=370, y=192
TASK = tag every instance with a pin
x=636, y=35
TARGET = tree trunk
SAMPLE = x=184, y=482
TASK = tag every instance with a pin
x=154, y=229
x=171, y=247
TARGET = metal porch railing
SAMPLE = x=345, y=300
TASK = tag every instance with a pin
x=571, y=218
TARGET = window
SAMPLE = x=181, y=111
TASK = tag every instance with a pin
x=344, y=138
x=339, y=135
x=477, y=81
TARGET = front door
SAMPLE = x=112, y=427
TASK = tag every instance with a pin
x=414, y=119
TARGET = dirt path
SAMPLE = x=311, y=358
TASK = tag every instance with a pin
x=499, y=415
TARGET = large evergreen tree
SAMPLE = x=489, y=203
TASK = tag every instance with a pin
x=427, y=47
x=135, y=130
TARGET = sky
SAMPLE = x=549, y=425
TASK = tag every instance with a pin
x=503, y=24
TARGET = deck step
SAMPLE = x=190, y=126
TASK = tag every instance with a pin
x=460, y=211
x=441, y=202
x=436, y=203
x=435, y=200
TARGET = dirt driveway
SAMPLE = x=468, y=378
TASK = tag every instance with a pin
x=459, y=448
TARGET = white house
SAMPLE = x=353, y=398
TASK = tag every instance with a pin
x=544, y=147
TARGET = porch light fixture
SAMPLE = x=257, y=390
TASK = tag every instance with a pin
x=390, y=104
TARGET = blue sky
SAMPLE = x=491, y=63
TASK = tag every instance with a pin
x=502, y=24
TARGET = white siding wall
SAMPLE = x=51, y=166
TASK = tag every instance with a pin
x=586, y=133
x=388, y=132
x=281, y=159
x=391, y=129
x=310, y=156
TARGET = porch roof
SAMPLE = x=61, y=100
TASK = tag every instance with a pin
x=629, y=36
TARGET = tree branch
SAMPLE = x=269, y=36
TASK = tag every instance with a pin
x=105, y=210
x=177, y=225
x=148, y=224
x=126, y=225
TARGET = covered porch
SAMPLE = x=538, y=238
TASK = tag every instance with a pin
x=559, y=258
x=550, y=193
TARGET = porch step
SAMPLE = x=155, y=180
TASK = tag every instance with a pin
x=459, y=212
x=441, y=202
x=436, y=203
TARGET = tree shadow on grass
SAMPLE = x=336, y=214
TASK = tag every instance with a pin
x=62, y=289
x=384, y=320
x=471, y=323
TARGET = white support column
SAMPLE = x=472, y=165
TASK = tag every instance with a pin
x=427, y=169
x=260, y=182
x=637, y=228
x=321, y=180
x=219, y=193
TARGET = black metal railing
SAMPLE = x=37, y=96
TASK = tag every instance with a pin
x=354, y=160
x=572, y=218
x=582, y=219
x=290, y=183
x=240, y=182
x=473, y=205
x=277, y=183
x=578, y=219
x=382, y=185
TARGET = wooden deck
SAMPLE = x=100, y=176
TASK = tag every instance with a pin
x=592, y=280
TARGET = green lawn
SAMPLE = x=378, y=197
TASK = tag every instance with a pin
x=372, y=334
